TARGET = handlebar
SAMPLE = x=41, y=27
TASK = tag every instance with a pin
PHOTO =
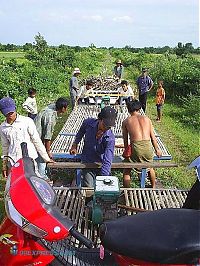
x=87, y=242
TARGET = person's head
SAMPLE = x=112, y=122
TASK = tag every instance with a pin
x=89, y=84
x=124, y=84
x=119, y=63
x=32, y=92
x=160, y=83
x=144, y=71
x=61, y=105
x=8, y=108
x=76, y=71
x=134, y=106
x=107, y=117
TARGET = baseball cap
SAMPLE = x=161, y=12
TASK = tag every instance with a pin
x=108, y=115
x=7, y=105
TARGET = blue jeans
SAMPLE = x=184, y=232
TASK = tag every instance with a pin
x=89, y=176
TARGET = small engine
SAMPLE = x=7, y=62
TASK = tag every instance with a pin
x=105, y=199
x=105, y=101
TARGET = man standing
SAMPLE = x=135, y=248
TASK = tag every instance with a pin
x=45, y=122
x=144, y=84
x=99, y=143
x=74, y=86
x=138, y=128
x=15, y=130
x=118, y=70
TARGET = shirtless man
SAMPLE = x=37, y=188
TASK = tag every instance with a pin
x=140, y=131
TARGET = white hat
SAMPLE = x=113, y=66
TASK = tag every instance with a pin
x=76, y=71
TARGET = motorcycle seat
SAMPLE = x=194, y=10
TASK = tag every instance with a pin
x=163, y=236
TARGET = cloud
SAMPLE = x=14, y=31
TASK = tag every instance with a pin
x=127, y=19
x=93, y=17
x=52, y=16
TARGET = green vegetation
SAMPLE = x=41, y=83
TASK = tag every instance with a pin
x=49, y=69
x=11, y=55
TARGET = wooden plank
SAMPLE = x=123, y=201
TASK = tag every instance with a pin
x=153, y=199
x=131, y=198
x=66, y=208
x=141, y=205
x=175, y=200
x=115, y=165
x=170, y=199
x=127, y=200
x=148, y=200
x=145, y=199
x=161, y=200
x=166, y=198
x=136, y=198
x=61, y=200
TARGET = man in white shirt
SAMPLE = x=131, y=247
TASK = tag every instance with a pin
x=85, y=93
x=125, y=93
x=15, y=130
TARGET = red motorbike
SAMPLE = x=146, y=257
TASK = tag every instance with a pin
x=162, y=237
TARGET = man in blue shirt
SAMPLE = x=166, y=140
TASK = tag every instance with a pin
x=99, y=144
x=144, y=84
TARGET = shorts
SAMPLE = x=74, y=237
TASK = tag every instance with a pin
x=142, y=151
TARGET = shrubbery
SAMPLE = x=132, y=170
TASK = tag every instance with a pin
x=49, y=69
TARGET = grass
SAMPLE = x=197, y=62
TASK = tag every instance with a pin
x=181, y=141
x=18, y=56
x=11, y=55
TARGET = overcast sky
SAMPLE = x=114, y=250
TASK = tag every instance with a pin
x=117, y=23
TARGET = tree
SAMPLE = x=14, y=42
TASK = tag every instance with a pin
x=27, y=46
x=40, y=43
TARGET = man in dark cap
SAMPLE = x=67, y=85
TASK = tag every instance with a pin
x=99, y=143
x=15, y=130
x=144, y=84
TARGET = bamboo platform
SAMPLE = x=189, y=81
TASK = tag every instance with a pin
x=64, y=140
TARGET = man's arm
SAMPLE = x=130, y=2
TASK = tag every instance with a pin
x=35, y=138
x=131, y=92
x=79, y=136
x=5, y=148
x=47, y=144
x=150, y=83
x=125, y=133
x=163, y=95
x=108, y=157
x=74, y=83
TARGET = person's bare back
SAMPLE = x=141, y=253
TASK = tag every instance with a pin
x=138, y=126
